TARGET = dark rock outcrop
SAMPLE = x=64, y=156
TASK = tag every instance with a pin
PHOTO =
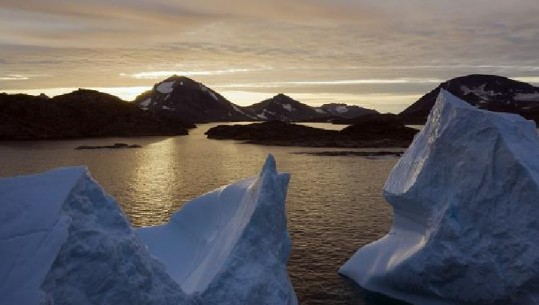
x=115, y=146
x=79, y=114
x=379, y=127
x=490, y=92
x=287, y=134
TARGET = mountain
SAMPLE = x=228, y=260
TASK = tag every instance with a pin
x=79, y=114
x=282, y=108
x=490, y=92
x=344, y=111
x=190, y=101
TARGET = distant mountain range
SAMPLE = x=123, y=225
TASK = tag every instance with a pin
x=490, y=92
x=190, y=101
x=79, y=114
x=175, y=104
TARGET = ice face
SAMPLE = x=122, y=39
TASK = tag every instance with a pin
x=465, y=197
x=231, y=245
x=64, y=241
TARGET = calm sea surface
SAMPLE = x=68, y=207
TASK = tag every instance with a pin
x=334, y=204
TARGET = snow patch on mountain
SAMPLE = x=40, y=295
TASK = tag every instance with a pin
x=479, y=91
x=341, y=109
x=209, y=91
x=165, y=87
x=526, y=97
x=146, y=102
x=288, y=107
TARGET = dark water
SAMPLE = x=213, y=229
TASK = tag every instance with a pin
x=334, y=203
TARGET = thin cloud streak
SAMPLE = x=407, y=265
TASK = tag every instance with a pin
x=331, y=82
x=159, y=75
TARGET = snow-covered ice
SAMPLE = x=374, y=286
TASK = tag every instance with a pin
x=63, y=240
x=231, y=245
x=465, y=197
x=166, y=87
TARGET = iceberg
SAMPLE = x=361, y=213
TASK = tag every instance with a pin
x=230, y=246
x=465, y=197
x=63, y=240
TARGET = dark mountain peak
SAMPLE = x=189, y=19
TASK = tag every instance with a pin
x=181, y=79
x=485, y=82
x=282, y=99
x=282, y=96
x=43, y=96
x=282, y=108
x=490, y=92
x=188, y=100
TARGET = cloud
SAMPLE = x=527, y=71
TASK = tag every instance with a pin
x=297, y=45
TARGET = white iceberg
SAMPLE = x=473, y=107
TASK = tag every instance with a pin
x=231, y=245
x=465, y=198
x=63, y=240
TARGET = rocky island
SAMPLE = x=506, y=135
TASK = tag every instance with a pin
x=375, y=131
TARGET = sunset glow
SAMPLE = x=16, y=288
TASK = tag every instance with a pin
x=362, y=52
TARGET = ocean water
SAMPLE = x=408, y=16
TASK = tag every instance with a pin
x=334, y=204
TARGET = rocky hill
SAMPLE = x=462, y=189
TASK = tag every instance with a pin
x=190, y=101
x=283, y=108
x=490, y=92
x=344, y=110
x=79, y=114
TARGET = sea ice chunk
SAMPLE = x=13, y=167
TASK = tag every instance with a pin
x=231, y=245
x=465, y=197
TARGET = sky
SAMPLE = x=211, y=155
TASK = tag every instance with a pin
x=377, y=54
